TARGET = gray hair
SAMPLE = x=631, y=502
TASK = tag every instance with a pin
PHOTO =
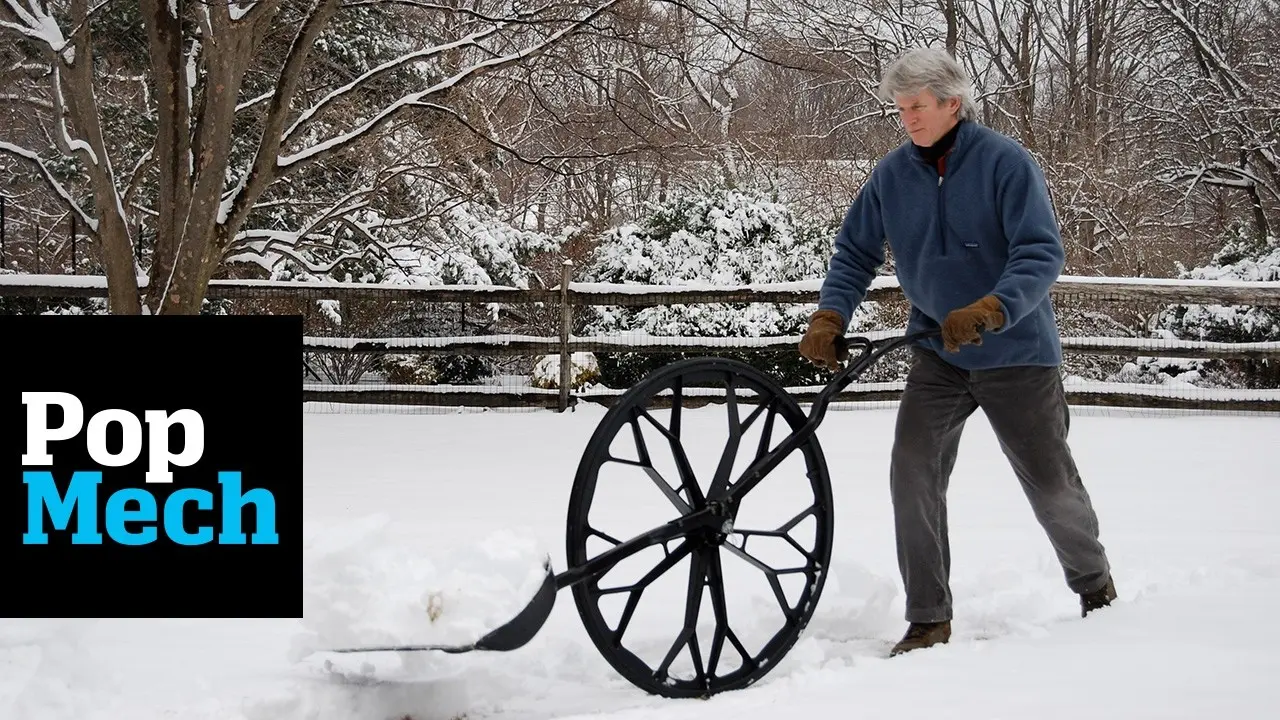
x=933, y=70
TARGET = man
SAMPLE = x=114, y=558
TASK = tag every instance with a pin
x=967, y=215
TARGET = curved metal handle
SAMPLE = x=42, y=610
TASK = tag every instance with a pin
x=870, y=353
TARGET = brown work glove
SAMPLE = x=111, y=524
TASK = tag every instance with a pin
x=965, y=325
x=819, y=346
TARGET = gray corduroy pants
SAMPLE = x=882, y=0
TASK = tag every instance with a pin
x=1028, y=411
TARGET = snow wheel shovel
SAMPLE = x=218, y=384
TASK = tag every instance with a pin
x=703, y=529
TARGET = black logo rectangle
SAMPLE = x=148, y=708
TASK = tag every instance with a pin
x=151, y=466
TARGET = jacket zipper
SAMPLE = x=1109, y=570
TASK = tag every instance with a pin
x=942, y=217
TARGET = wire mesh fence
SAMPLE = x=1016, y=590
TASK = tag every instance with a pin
x=1130, y=345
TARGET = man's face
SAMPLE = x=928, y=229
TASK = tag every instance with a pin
x=925, y=118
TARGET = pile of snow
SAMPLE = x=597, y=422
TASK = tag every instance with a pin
x=366, y=586
x=583, y=369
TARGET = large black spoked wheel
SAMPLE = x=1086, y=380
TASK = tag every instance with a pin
x=718, y=607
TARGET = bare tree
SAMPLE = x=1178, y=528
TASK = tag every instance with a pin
x=1227, y=97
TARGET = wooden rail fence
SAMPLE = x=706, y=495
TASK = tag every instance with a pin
x=572, y=294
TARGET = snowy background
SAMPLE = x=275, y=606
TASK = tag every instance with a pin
x=430, y=528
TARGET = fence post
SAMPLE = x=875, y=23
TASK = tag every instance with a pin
x=566, y=324
x=3, y=262
x=73, y=243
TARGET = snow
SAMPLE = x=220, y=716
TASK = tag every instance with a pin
x=1169, y=282
x=1167, y=343
x=424, y=342
x=583, y=368
x=712, y=239
x=60, y=281
x=1169, y=390
x=798, y=286
x=229, y=200
x=238, y=12
x=401, y=509
x=890, y=281
x=444, y=389
x=368, y=587
x=38, y=25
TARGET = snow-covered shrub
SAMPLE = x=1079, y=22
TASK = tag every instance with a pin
x=583, y=369
x=1241, y=257
x=466, y=243
x=469, y=244
x=1161, y=371
x=460, y=369
x=409, y=370
x=714, y=237
x=434, y=370
x=13, y=305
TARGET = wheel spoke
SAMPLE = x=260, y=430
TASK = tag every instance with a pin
x=766, y=405
x=637, y=589
x=760, y=564
x=646, y=462
x=783, y=531
x=677, y=405
x=715, y=578
x=607, y=537
x=692, y=605
x=771, y=575
x=688, y=482
x=762, y=450
x=716, y=581
x=800, y=516
x=769, y=533
x=766, y=433
x=730, y=452
x=736, y=428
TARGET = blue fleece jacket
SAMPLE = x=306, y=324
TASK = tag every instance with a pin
x=985, y=227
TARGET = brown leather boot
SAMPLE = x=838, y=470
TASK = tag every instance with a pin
x=922, y=635
x=1097, y=599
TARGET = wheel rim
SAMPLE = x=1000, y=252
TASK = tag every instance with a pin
x=673, y=466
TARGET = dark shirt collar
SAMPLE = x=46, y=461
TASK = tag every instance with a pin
x=935, y=151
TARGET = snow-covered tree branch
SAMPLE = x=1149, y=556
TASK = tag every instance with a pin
x=237, y=119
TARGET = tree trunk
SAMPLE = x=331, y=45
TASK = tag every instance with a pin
x=172, y=147
x=116, y=251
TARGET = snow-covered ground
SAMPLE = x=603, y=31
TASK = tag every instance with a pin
x=428, y=527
